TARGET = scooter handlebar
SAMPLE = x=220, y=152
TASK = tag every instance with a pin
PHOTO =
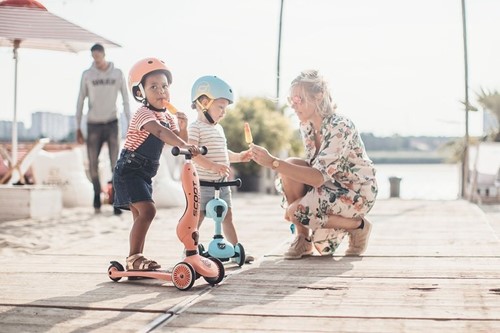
x=176, y=151
x=218, y=185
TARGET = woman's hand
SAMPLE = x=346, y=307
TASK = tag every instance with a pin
x=261, y=156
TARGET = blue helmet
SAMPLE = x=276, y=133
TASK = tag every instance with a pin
x=213, y=88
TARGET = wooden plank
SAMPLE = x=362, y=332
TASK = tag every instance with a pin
x=92, y=291
x=245, y=323
x=34, y=319
x=275, y=290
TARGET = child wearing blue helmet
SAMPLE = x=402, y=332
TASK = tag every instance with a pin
x=210, y=96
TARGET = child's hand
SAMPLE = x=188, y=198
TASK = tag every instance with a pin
x=194, y=150
x=221, y=169
x=245, y=156
x=182, y=120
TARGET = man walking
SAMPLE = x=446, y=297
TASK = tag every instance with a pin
x=101, y=84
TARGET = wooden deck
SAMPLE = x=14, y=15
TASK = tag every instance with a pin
x=432, y=266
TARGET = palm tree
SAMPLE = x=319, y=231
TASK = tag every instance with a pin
x=490, y=101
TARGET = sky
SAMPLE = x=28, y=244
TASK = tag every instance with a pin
x=395, y=67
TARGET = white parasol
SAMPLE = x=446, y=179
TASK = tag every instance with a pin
x=28, y=24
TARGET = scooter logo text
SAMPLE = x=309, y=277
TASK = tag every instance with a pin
x=196, y=199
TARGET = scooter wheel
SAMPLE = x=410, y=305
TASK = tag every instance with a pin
x=183, y=276
x=222, y=272
x=240, y=254
x=115, y=266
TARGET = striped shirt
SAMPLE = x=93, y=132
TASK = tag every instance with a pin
x=213, y=137
x=136, y=135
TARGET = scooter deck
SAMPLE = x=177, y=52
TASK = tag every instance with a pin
x=155, y=274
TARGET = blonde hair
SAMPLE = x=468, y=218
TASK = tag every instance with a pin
x=316, y=91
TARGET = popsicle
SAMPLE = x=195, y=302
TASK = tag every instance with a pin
x=170, y=107
x=248, y=134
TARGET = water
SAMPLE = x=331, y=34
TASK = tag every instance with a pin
x=421, y=181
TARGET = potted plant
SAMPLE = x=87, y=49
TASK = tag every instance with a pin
x=270, y=129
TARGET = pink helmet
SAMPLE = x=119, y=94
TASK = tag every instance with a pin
x=140, y=70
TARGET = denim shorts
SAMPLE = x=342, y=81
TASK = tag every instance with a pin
x=132, y=179
x=207, y=193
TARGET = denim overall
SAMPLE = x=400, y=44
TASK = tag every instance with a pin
x=134, y=171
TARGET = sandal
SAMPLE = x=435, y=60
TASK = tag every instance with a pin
x=137, y=262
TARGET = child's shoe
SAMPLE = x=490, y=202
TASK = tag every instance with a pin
x=137, y=262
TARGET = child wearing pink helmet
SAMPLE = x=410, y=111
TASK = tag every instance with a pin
x=150, y=128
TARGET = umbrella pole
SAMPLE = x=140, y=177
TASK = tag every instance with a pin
x=14, y=121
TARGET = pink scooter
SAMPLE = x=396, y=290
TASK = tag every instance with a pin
x=184, y=274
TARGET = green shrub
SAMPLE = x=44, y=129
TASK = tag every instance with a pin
x=270, y=129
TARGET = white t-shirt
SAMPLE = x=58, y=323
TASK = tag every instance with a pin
x=212, y=137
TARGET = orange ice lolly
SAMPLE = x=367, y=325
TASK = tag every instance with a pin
x=248, y=134
x=170, y=107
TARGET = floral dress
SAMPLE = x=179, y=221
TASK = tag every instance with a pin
x=350, y=187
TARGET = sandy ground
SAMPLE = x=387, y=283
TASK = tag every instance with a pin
x=77, y=228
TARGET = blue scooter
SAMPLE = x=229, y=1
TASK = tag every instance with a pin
x=216, y=209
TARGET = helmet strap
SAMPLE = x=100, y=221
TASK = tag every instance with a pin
x=141, y=89
x=149, y=106
x=205, y=111
x=146, y=103
x=208, y=116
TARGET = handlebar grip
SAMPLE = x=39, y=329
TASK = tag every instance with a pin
x=176, y=151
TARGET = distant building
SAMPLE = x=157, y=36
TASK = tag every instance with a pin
x=55, y=126
x=6, y=130
x=51, y=125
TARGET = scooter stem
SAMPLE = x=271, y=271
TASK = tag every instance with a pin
x=187, y=228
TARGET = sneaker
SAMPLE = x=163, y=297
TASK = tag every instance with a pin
x=117, y=211
x=358, y=239
x=300, y=247
x=248, y=259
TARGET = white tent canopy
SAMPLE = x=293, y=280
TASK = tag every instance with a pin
x=28, y=24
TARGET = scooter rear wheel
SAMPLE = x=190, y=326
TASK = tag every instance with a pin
x=240, y=254
x=215, y=280
x=183, y=276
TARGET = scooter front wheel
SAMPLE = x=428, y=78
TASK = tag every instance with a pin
x=215, y=280
x=183, y=276
x=115, y=266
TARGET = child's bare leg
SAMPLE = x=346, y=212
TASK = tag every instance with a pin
x=143, y=213
x=228, y=228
